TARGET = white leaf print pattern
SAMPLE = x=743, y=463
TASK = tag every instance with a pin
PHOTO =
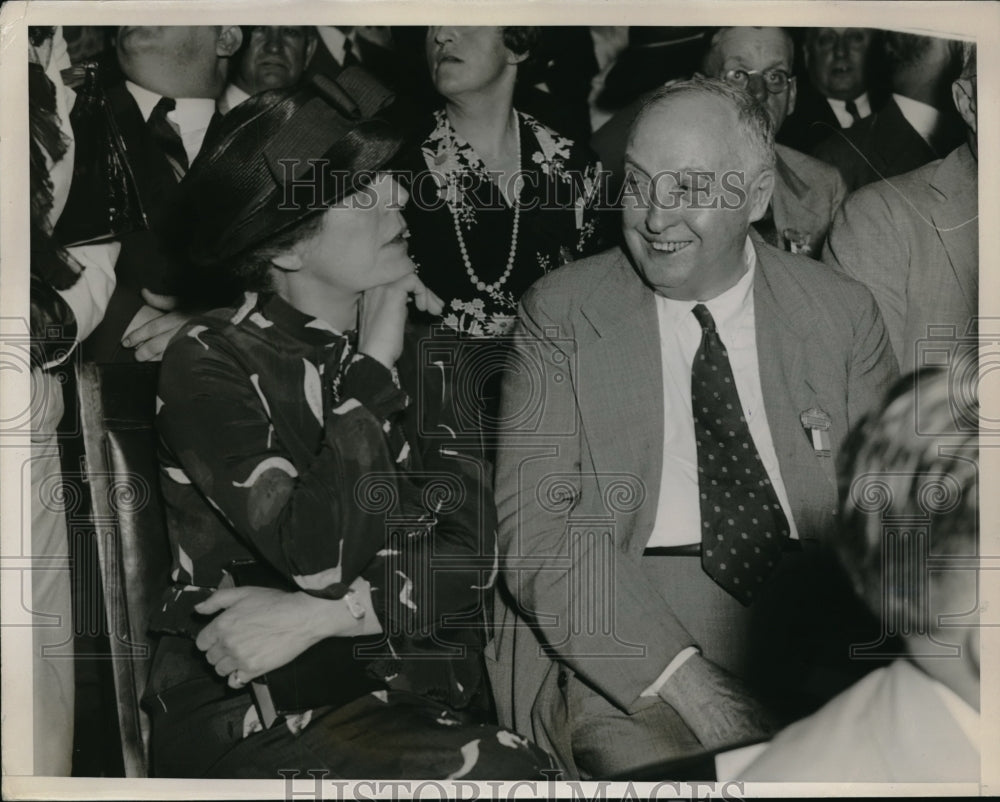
x=404, y=452
x=255, y=381
x=323, y=579
x=298, y=722
x=406, y=594
x=347, y=406
x=159, y=404
x=249, y=302
x=496, y=567
x=260, y=321
x=382, y=696
x=313, y=390
x=251, y=722
x=195, y=334
x=470, y=756
x=185, y=562
x=178, y=476
x=511, y=740
x=276, y=463
x=322, y=325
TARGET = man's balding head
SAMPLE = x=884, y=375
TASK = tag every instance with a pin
x=743, y=55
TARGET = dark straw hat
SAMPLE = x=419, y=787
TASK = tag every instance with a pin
x=279, y=157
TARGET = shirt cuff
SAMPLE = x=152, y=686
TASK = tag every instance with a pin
x=680, y=659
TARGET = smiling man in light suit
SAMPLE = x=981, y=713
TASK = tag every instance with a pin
x=670, y=422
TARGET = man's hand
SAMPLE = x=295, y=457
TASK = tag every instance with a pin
x=150, y=330
x=261, y=629
x=715, y=705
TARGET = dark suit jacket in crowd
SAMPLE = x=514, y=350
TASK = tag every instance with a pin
x=589, y=331
x=887, y=147
x=813, y=120
x=144, y=261
x=914, y=241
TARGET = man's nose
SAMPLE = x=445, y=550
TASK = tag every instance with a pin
x=757, y=87
x=840, y=48
x=273, y=40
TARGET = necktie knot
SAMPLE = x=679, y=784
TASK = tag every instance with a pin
x=164, y=105
x=852, y=108
x=704, y=317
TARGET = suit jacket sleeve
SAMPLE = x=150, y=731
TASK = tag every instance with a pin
x=865, y=243
x=549, y=546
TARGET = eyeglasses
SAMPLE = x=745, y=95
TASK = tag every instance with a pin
x=775, y=80
x=852, y=38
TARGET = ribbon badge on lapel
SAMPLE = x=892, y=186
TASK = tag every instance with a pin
x=817, y=423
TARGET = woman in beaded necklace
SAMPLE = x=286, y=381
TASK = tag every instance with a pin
x=497, y=198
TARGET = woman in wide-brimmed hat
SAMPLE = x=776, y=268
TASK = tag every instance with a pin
x=309, y=460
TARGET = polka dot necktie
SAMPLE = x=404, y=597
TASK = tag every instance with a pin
x=852, y=108
x=743, y=525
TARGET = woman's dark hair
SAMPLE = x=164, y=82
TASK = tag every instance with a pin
x=521, y=40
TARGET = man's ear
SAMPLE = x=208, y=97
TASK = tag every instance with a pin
x=759, y=196
x=229, y=41
x=311, y=49
x=793, y=93
x=290, y=261
x=963, y=93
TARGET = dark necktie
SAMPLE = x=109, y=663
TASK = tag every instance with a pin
x=350, y=57
x=766, y=228
x=743, y=526
x=852, y=109
x=166, y=136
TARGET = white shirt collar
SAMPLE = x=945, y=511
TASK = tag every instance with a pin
x=334, y=39
x=190, y=113
x=727, y=307
x=922, y=117
x=839, y=108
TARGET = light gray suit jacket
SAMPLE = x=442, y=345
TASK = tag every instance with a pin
x=578, y=468
x=914, y=241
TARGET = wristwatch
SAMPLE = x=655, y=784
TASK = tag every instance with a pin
x=354, y=605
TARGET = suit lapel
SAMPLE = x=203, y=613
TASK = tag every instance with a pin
x=621, y=385
x=783, y=335
x=796, y=204
x=954, y=216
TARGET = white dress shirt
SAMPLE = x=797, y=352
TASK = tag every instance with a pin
x=922, y=117
x=678, y=512
x=191, y=115
x=839, y=108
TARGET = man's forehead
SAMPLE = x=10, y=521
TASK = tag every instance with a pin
x=772, y=43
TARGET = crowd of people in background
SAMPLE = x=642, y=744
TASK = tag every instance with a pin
x=310, y=206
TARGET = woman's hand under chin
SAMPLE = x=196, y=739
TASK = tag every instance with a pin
x=261, y=629
x=382, y=316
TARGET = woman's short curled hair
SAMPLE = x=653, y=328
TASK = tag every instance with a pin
x=755, y=122
x=524, y=40
x=913, y=461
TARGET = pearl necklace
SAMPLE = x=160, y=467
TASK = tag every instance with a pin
x=479, y=284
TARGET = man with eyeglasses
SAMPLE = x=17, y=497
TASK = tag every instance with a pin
x=807, y=192
x=272, y=57
x=838, y=94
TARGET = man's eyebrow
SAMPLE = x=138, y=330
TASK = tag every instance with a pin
x=630, y=162
x=737, y=61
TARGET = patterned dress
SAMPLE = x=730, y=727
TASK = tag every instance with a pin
x=280, y=443
x=560, y=220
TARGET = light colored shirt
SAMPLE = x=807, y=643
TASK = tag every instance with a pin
x=965, y=715
x=839, y=108
x=922, y=117
x=231, y=98
x=678, y=512
x=334, y=39
x=191, y=115
x=609, y=42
